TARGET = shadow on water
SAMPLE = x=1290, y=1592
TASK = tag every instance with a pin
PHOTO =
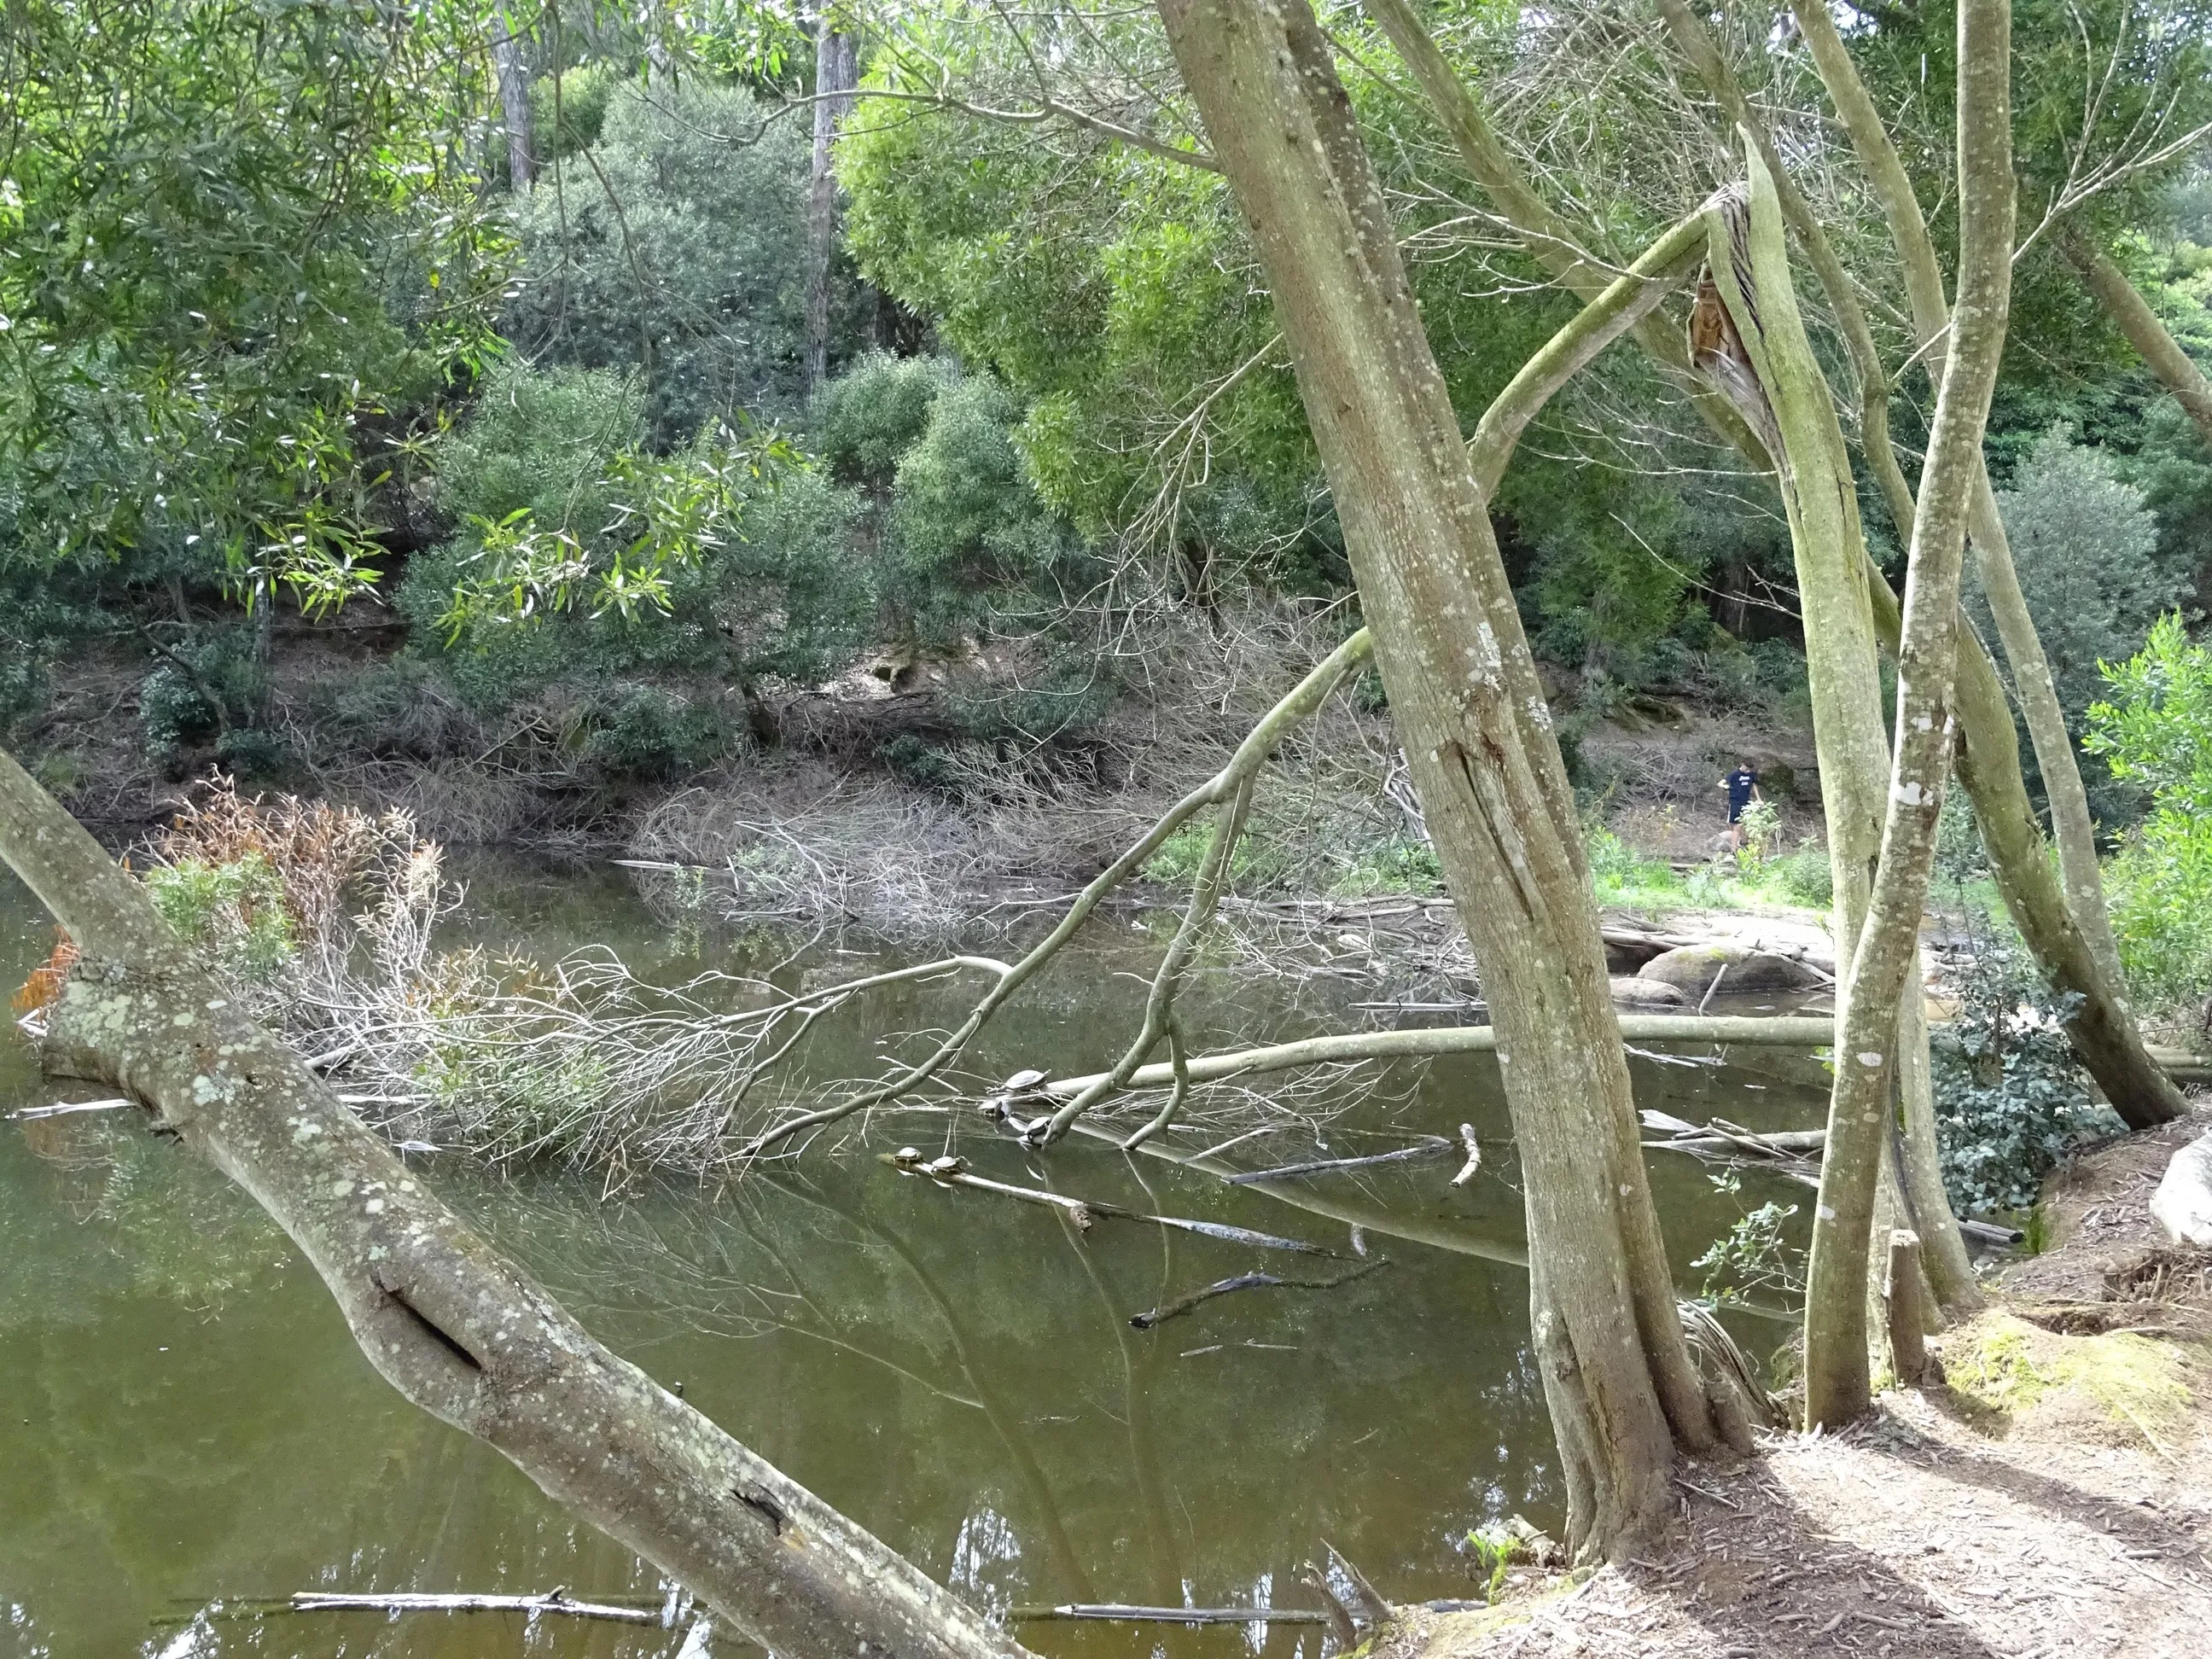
x=184, y=1422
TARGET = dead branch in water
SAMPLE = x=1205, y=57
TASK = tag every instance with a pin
x=1254, y=1281
x=1428, y=1146
x=553, y=1601
x=952, y=1172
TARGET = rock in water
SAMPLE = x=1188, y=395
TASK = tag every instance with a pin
x=1631, y=992
x=2183, y=1203
x=1691, y=969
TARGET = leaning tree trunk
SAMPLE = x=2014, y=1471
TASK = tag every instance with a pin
x=1463, y=692
x=1837, y=1385
x=1920, y=1197
x=513, y=101
x=454, y=1326
x=2104, y=1035
x=2071, y=827
x=836, y=74
x=2176, y=369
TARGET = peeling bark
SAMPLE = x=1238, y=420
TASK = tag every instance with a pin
x=451, y=1323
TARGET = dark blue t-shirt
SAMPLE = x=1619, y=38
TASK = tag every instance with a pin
x=1740, y=785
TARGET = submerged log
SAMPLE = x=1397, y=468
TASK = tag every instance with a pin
x=1183, y=1305
x=553, y=1601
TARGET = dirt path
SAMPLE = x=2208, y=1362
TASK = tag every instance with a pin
x=2053, y=1497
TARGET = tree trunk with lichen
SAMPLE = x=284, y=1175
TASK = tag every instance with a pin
x=1837, y=1382
x=513, y=101
x=1623, y=1390
x=450, y=1322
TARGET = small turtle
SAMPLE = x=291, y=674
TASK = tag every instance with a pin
x=907, y=1157
x=1022, y=1082
x=944, y=1166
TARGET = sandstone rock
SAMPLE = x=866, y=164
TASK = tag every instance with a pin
x=1631, y=992
x=2183, y=1203
x=1691, y=969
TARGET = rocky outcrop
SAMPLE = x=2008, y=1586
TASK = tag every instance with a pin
x=1691, y=969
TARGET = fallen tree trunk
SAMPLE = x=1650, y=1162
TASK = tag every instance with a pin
x=1350, y=1047
x=449, y=1321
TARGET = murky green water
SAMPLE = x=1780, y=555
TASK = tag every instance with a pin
x=184, y=1423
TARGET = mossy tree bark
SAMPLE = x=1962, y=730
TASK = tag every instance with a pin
x=1837, y=1377
x=454, y=1326
x=2176, y=369
x=1622, y=1389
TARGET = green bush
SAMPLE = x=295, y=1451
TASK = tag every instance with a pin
x=2009, y=1100
x=651, y=733
x=1807, y=876
x=870, y=416
x=2155, y=733
x=568, y=114
x=233, y=912
x=673, y=255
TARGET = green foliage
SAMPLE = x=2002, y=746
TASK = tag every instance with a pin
x=1623, y=876
x=234, y=913
x=1755, y=1255
x=1806, y=877
x=577, y=550
x=2086, y=550
x=1400, y=864
x=236, y=242
x=1494, y=1549
x=568, y=110
x=673, y=255
x=646, y=733
x=872, y=414
x=2155, y=733
x=2009, y=1100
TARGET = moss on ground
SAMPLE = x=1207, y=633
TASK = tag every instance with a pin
x=2002, y=1368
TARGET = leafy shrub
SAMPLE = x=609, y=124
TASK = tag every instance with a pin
x=172, y=713
x=568, y=114
x=673, y=255
x=1807, y=876
x=648, y=732
x=2088, y=551
x=2155, y=733
x=174, y=710
x=234, y=912
x=2009, y=1100
x=1754, y=1255
x=870, y=416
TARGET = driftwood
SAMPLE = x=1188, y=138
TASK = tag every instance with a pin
x=1472, y=1167
x=64, y=1108
x=1122, y=1612
x=1255, y=1281
x=951, y=1172
x=1428, y=1146
x=553, y=1601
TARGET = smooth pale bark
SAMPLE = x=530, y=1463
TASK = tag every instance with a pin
x=2104, y=1035
x=2071, y=826
x=1917, y=1168
x=836, y=72
x=513, y=101
x=1837, y=1383
x=1618, y=308
x=1547, y=238
x=1697, y=46
x=2176, y=369
x=451, y=1323
x=1752, y=345
x=1621, y=1386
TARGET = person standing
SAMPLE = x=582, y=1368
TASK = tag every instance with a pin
x=1743, y=787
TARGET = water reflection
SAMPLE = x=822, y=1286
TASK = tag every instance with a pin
x=188, y=1426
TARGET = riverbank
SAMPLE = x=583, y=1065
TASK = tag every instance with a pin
x=2053, y=1497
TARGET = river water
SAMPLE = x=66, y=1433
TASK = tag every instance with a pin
x=186, y=1428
